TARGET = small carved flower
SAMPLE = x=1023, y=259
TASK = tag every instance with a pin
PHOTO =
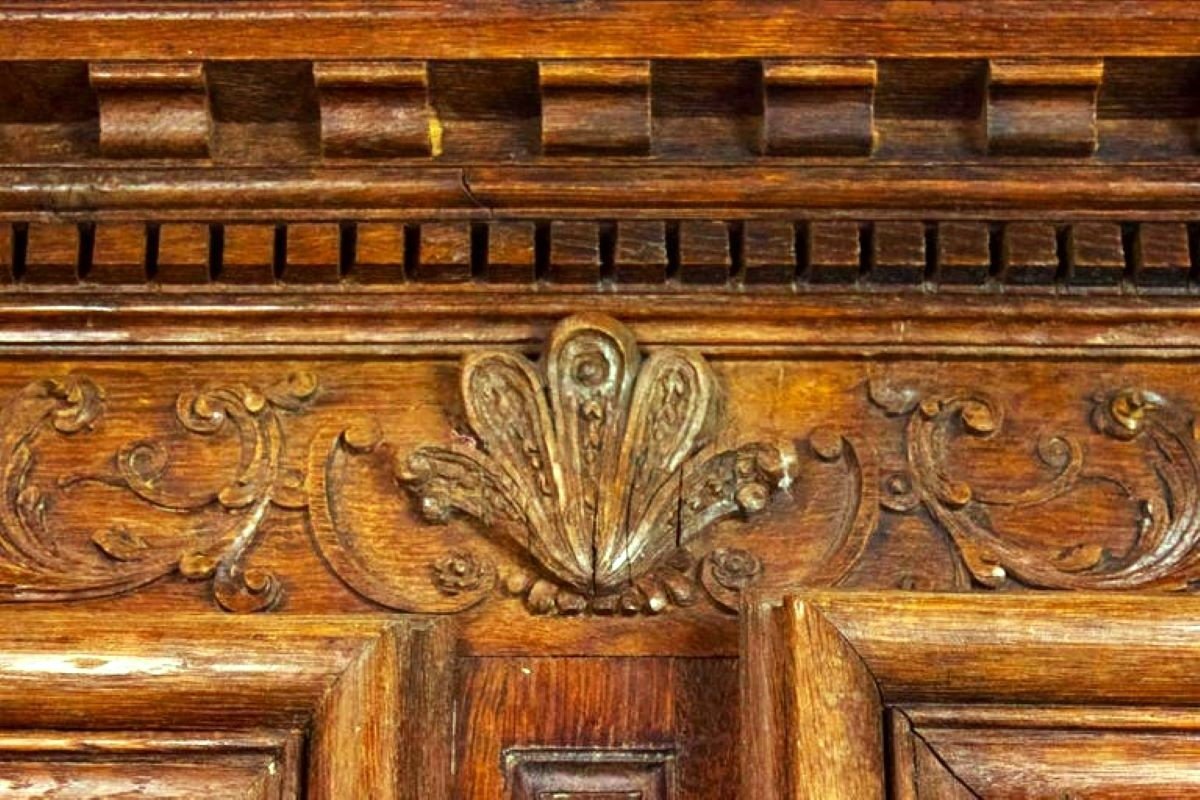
x=734, y=568
x=457, y=572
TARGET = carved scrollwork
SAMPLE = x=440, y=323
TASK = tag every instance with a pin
x=33, y=567
x=596, y=468
x=1165, y=550
x=849, y=543
x=37, y=566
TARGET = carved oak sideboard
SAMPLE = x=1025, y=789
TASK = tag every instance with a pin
x=599, y=399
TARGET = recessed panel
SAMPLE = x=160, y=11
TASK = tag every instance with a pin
x=590, y=774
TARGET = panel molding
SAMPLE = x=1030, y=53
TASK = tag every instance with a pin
x=76, y=765
x=374, y=695
x=1077, y=653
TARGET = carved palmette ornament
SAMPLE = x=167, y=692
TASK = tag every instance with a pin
x=598, y=465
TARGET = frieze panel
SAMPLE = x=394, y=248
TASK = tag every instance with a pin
x=607, y=478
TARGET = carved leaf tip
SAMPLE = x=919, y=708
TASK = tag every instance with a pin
x=121, y=544
x=81, y=403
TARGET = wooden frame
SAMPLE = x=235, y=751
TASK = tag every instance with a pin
x=853, y=696
x=340, y=708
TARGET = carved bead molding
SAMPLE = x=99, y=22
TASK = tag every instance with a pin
x=38, y=563
x=596, y=469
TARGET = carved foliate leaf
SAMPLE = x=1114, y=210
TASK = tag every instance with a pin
x=590, y=374
x=121, y=544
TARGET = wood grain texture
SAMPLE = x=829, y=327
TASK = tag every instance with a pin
x=264, y=765
x=53, y=253
x=819, y=108
x=704, y=252
x=1077, y=656
x=379, y=254
x=916, y=770
x=736, y=255
x=963, y=253
x=832, y=714
x=1038, y=658
x=769, y=253
x=119, y=254
x=184, y=253
x=595, y=106
x=632, y=29
x=641, y=252
x=312, y=254
x=598, y=738
x=247, y=254
x=574, y=253
x=511, y=252
x=834, y=252
x=1102, y=764
x=1043, y=107
x=994, y=190
x=898, y=253
x=152, y=110
x=371, y=109
x=373, y=729
x=1162, y=254
x=285, y=282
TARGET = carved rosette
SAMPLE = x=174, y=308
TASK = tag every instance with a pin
x=597, y=467
x=1165, y=549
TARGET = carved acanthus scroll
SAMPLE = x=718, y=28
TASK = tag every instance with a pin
x=37, y=565
x=1165, y=549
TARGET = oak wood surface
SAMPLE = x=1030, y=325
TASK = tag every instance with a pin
x=363, y=698
x=1011, y=696
x=627, y=28
x=572, y=323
